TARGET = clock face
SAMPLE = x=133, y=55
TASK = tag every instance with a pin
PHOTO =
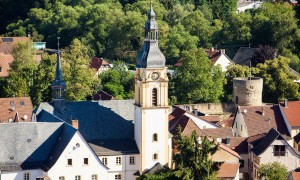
x=155, y=75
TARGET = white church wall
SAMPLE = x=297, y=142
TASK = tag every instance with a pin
x=33, y=174
x=77, y=150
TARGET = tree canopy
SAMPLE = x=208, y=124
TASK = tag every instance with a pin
x=273, y=170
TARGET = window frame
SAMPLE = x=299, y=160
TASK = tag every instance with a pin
x=155, y=137
x=154, y=97
x=131, y=160
x=94, y=176
x=69, y=162
x=104, y=160
x=26, y=176
x=85, y=161
x=118, y=176
x=77, y=177
x=61, y=177
x=279, y=150
x=155, y=156
x=118, y=160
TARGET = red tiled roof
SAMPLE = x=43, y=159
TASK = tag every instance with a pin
x=20, y=106
x=292, y=112
x=174, y=117
x=213, y=54
x=238, y=144
x=224, y=147
x=258, y=123
x=218, y=132
x=5, y=61
x=98, y=62
x=214, y=118
x=228, y=170
x=296, y=175
x=254, y=138
x=227, y=122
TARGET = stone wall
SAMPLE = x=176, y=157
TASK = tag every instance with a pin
x=247, y=91
x=209, y=108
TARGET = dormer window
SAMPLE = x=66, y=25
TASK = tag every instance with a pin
x=154, y=97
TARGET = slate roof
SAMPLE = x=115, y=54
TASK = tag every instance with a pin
x=271, y=136
x=106, y=125
x=32, y=145
x=228, y=170
x=244, y=55
x=257, y=123
x=16, y=109
x=292, y=112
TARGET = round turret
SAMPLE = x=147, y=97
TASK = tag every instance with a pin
x=247, y=91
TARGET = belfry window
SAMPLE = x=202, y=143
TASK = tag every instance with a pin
x=154, y=137
x=154, y=97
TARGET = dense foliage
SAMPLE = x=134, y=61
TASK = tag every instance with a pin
x=193, y=160
x=273, y=170
x=114, y=30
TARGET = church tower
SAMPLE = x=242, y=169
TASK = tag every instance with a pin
x=58, y=87
x=151, y=100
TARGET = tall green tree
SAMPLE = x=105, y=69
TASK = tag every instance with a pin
x=77, y=73
x=198, y=80
x=273, y=170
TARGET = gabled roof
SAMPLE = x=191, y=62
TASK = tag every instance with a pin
x=292, y=112
x=5, y=61
x=258, y=122
x=238, y=144
x=269, y=138
x=228, y=170
x=244, y=55
x=103, y=124
x=102, y=95
x=96, y=63
x=18, y=109
x=253, y=139
x=32, y=145
x=225, y=148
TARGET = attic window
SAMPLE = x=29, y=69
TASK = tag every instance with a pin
x=12, y=103
x=7, y=39
x=22, y=103
x=279, y=150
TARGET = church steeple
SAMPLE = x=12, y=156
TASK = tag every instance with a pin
x=58, y=86
x=151, y=56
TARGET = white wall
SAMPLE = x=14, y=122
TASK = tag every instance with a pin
x=236, y=127
x=155, y=123
x=125, y=169
x=77, y=154
x=223, y=61
x=202, y=124
x=18, y=175
x=290, y=160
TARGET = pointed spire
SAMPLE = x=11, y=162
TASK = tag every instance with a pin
x=151, y=56
x=58, y=74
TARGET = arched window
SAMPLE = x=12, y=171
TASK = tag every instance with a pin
x=155, y=156
x=154, y=137
x=154, y=97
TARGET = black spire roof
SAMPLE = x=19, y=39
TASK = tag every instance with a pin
x=58, y=74
x=151, y=56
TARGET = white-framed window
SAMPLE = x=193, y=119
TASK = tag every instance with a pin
x=69, y=162
x=155, y=138
x=131, y=160
x=61, y=178
x=155, y=156
x=94, y=177
x=104, y=161
x=77, y=177
x=118, y=160
x=118, y=177
x=85, y=161
x=26, y=176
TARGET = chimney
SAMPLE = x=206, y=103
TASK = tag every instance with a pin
x=285, y=103
x=196, y=112
x=227, y=141
x=212, y=49
x=263, y=112
x=75, y=124
x=223, y=51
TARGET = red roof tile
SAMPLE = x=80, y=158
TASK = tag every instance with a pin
x=254, y=138
x=20, y=106
x=96, y=62
x=292, y=112
x=238, y=144
x=296, y=175
x=5, y=61
x=214, y=118
x=224, y=147
x=228, y=170
x=257, y=122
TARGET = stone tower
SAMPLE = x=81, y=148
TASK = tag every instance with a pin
x=247, y=91
x=151, y=100
x=58, y=87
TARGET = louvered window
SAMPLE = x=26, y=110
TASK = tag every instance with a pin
x=154, y=97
